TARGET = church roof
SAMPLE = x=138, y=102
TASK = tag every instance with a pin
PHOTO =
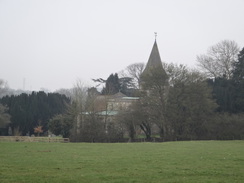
x=154, y=58
x=154, y=61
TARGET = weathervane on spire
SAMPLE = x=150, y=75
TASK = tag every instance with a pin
x=155, y=35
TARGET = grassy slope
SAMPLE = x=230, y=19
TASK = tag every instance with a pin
x=193, y=161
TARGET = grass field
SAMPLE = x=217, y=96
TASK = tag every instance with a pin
x=192, y=161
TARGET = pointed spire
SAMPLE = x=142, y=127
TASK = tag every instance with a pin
x=154, y=60
x=154, y=72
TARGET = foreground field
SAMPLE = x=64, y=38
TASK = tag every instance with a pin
x=193, y=161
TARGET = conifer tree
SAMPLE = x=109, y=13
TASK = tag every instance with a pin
x=238, y=80
x=112, y=85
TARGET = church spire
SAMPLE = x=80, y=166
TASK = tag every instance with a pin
x=154, y=64
x=154, y=60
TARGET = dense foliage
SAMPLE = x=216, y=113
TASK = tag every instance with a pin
x=229, y=92
x=30, y=111
x=4, y=119
x=60, y=125
x=115, y=84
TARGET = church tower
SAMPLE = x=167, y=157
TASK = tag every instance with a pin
x=154, y=67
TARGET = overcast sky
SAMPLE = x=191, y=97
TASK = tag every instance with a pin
x=52, y=43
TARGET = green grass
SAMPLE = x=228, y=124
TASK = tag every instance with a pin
x=192, y=161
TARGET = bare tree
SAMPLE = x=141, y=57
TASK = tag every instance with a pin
x=3, y=88
x=64, y=91
x=77, y=107
x=182, y=74
x=130, y=120
x=4, y=117
x=190, y=104
x=175, y=72
x=134, y=71
x=219, y=59
x=154, y=98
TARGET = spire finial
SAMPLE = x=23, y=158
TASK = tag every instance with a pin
x=155, y=35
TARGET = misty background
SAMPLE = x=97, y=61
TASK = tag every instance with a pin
x=49, y=44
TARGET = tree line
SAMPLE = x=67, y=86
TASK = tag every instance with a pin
x=177, y=103
x=27, y=111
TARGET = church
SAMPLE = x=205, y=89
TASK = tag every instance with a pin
x=110, y=105
x=154, y=62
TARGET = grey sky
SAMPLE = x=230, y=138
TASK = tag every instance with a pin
x=52, y=43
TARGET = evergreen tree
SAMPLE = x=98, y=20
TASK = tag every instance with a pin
x=223, y=93
x=238, y=80
x=127, y=86
x=112, y=85
x=229, y=92
x=29, y=111
x=61, y=125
